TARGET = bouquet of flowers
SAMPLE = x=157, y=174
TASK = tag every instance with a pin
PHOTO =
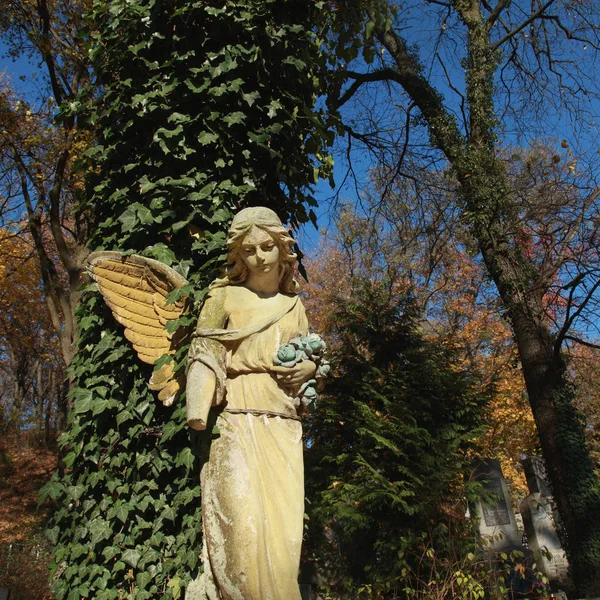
x=308, y=347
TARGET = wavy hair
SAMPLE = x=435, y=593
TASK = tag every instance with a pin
x=263, y=218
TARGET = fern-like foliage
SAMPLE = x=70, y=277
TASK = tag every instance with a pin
x=387, y=446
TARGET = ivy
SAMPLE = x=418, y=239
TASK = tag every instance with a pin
x=201, y=108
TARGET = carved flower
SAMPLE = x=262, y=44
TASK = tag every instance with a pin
x=288, y=355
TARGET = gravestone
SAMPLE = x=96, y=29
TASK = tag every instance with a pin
x=4, y=593
x=497, y=523
x=537, y=478
x=540, y=526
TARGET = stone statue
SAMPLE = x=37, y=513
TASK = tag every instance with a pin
x=252, y=359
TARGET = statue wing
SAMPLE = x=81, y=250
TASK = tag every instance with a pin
x=136, y=289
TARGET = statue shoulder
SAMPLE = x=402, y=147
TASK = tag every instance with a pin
x=214, y=311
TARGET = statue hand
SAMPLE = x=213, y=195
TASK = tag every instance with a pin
x=296, y=375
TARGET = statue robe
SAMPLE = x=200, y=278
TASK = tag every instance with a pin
x=253, y=483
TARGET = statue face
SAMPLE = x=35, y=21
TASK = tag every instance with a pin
x=259, y=251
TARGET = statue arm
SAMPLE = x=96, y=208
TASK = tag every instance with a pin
x=206, y=364
x=200, y=390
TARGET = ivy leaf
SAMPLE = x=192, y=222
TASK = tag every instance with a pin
x=174, y=584
x=99, y=530
x=234, y=118
x=188, y=495
x=185, y=457
x=143, y=579
x=110, y=552
x=168, y=513
x=131, y=557
x=74, y=492
x=120, y=512
x=83, y=399
x=164, y=254
x=52, y=534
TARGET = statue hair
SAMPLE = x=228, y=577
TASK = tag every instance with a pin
x=237, y=272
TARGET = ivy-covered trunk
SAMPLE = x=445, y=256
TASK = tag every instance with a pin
x=561, y=432
x=206, y=107
x=493, y=217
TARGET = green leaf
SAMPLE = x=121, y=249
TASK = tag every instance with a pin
x=143, y=579
x=251, y=98
x=369, y=28
x=189, y=494
x=131, y=557
x=99, y=530
x=174, y=584
x=74, y=492
x=164, y=254
x=52, y=489
x=120, y=512
x=110, y=552
x=83, y=399
x=74, y=595
x=234, y=118
x=122, y=416
x=143, y=213
x=185, y=457
x=52, y=534
x=207, y=137
x=168, y=513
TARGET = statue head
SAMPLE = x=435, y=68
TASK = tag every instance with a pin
x=267, y=220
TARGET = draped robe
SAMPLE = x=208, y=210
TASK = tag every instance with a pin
x=253, y=483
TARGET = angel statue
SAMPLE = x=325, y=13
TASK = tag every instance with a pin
x=252, y=361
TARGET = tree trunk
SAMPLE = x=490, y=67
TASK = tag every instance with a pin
x=494, y=220
x=39, y=421
x=562, y=437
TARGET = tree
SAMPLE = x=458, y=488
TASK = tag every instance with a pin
x=38, y=181
x=206, y=107
x=458, y=309
x=389, y=447
x=490, y=68
x=32, y=393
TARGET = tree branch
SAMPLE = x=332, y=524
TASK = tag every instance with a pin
x=582, y=342
x=424, y=95
x=530, y=19
x=571, y=317
x=360, y=78
x=496, y=12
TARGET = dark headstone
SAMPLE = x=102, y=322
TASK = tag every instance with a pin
x=495, y=512
x=537, y=477
x=497, y=522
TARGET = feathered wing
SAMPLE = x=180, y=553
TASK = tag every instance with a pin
x=136, y=289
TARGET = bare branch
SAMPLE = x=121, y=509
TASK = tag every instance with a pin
x=360, y=78
x=537, y=15
x=578, y=340
x=496, y=12
x=570, y=317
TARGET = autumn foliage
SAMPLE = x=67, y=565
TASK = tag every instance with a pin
x=460, y=313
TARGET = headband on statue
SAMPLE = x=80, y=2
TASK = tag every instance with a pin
x=259, y=216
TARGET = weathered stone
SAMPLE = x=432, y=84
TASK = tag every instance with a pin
x=497, y=523
x=540, y=526
x=252, y=484
x=537, y=478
